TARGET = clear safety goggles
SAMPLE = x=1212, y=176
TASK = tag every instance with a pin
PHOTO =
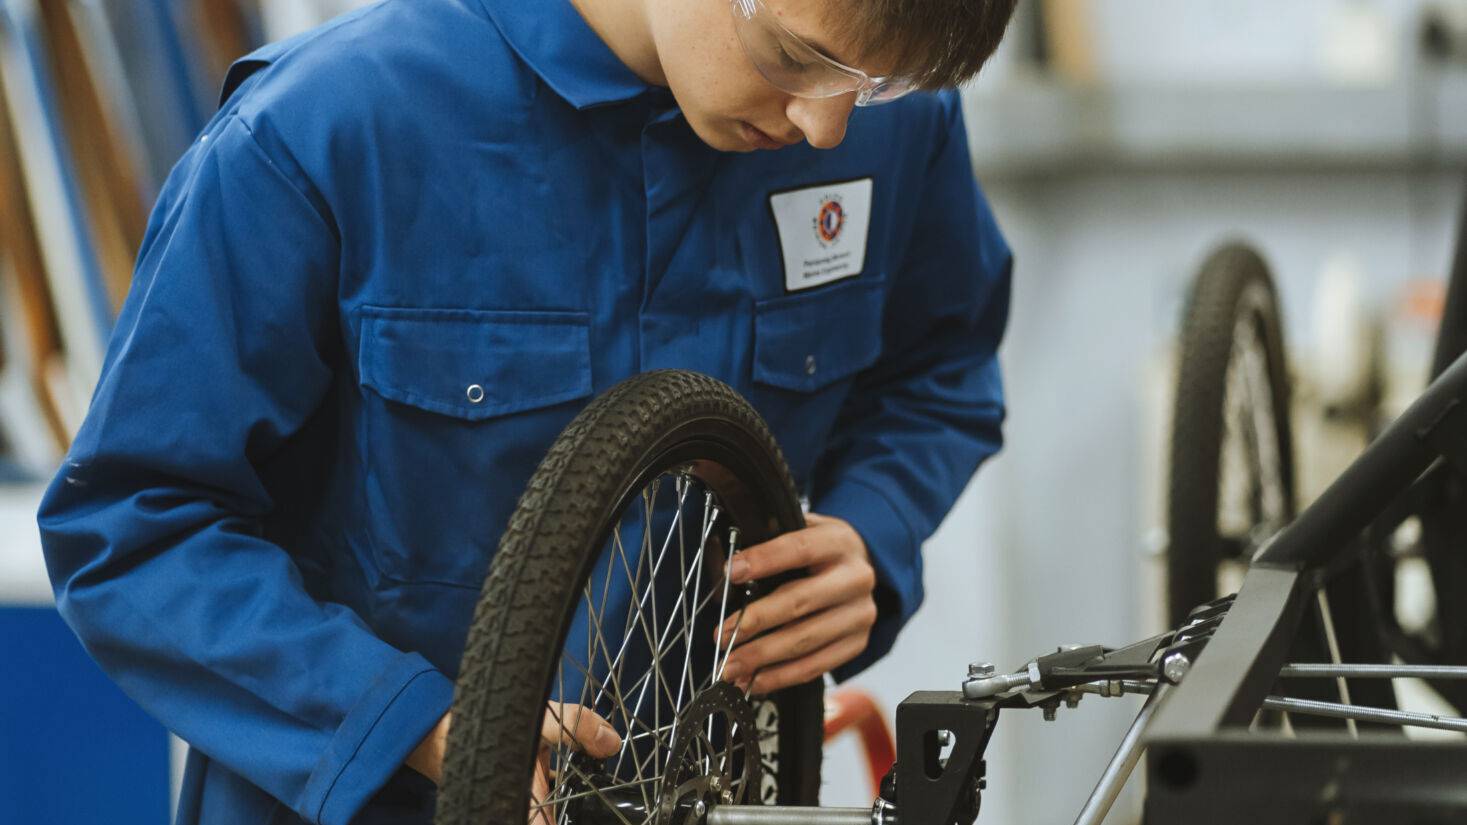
x=796, y=67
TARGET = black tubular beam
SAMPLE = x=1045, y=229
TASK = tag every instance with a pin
x=1237, y=669
x=1401, y=453
x=1264, y=779
x=1451, y=339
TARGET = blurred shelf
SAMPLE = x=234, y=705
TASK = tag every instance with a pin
x=1032, y=128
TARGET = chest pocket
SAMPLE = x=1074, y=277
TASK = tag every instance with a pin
x=460, y=406
x=806, y=342
x=807, y=349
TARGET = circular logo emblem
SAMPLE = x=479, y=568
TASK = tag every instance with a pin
x=829, y=222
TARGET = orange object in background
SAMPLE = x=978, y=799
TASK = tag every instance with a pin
x=851, y=708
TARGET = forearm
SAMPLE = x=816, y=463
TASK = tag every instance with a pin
x=427, y=757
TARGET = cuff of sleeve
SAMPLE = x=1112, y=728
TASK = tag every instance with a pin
x=894, y=555
x=405, y=702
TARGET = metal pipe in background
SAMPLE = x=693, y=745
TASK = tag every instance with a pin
x=1122, y=764
x=789, y=815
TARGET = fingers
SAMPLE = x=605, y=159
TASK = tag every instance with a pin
x=579, y=728
x=800, y=671
x=800, y=649
x=825, y=539
x=802, y=597
x=540, y=813
x=575, y=727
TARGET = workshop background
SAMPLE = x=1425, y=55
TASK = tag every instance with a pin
x=1119, y=142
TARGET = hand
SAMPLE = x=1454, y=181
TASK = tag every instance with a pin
x=583, y=730
x=819, y=622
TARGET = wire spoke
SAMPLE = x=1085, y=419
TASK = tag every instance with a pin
x=660, y=622
x=635, y=720
x=642, y=783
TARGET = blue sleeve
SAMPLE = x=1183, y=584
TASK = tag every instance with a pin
x=921, y=419
x=226, y=346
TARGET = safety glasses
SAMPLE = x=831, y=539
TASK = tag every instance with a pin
x=796, y=67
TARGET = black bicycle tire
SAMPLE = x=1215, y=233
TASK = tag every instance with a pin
x=1214, y=303
x=634, y=431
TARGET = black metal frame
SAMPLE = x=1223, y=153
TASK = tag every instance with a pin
x=1204, y=766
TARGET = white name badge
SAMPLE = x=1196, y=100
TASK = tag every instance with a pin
x=822, y=232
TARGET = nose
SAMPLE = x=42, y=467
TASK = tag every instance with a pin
x=823, y=121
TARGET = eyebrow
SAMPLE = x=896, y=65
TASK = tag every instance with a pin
x=823, y=49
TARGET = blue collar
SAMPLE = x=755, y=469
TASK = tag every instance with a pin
x=555, y=41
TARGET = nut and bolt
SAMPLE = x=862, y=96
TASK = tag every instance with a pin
x=1175, y=666
x=978, y=670
x=1072, y=699
x=1051, y=709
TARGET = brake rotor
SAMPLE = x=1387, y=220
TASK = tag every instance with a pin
x=703, y=769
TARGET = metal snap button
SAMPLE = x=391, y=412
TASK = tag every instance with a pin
x=809, y=365
x=476, y=393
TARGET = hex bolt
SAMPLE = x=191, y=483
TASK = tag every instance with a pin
x=1072, y=699
x=978, y=670
x=1175, y=666
x=1051, y=709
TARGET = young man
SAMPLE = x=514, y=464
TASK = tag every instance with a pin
x=411, y=246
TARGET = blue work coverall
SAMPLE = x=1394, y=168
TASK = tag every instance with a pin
x=273, y=526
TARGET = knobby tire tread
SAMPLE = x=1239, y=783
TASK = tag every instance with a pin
x=1213, y=307
x=562, y=507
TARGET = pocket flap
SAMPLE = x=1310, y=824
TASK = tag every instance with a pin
x=808, y=341
x=475, y=364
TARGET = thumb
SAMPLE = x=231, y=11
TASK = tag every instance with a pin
x=578, y=728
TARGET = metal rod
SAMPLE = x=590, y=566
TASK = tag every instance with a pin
x=1111, y=688
x=994, y=685
x=1374, y=671
x=788, y=815
x=1327, y=622
x=1310, y=707
x=1121, y=765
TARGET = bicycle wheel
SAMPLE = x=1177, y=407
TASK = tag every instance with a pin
x=605, y=593
x=1231, y=467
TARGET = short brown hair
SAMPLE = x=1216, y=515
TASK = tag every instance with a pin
x=937, y=43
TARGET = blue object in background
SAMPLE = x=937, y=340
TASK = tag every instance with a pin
x=73, y=749
x=174, y=100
